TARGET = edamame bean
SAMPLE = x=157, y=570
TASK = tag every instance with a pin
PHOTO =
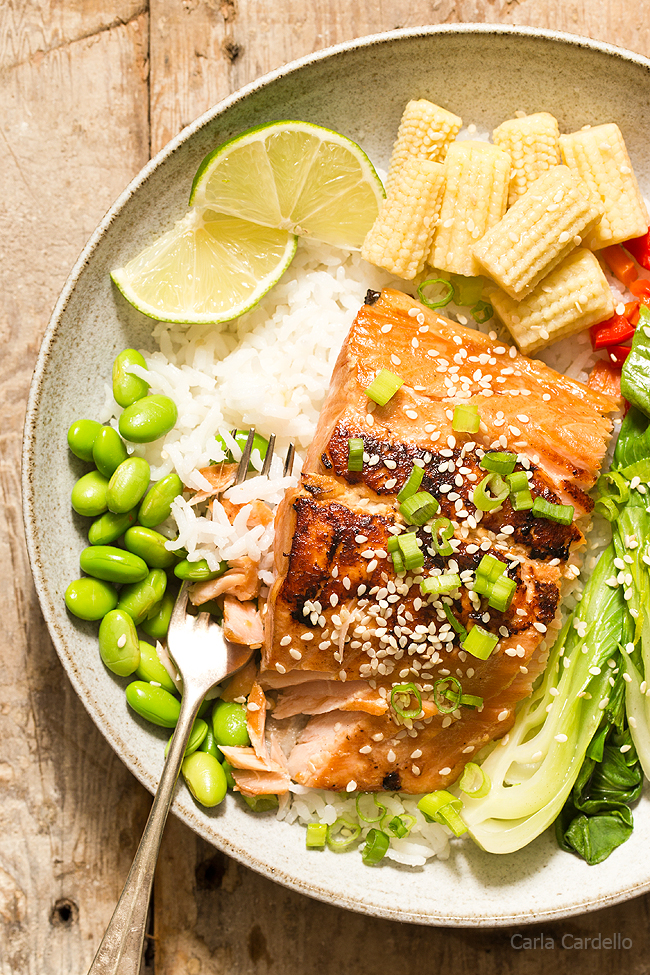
x=110, y=526
x=227, y=768
x=118, y=643
x=108, y=451
x=151, y=669
x=90, y=599
x=198, y=571
x=150, y=546
x=112, y=564
x=89, y=494
x=127, y=485
x=148, y=419
x=241, y=437
x=209, y=745
x=213, y=607
x=156, y=626
x=206, y=707
x=197, y=735
x=139, y=598
x=153, y=703
x=261, y=803
x=157, y=504
x=128, y=388
x=81, y=437
x=205, y=778
x=229, y=724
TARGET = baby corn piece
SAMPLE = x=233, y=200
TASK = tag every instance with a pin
x=475, y=197
x=533, y=145
x=599, y=157
x=572, y=297
x=426, y=130
x=537, y=232
x=400, y=237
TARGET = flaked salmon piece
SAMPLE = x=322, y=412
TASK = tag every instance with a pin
x=259, y=513
x=251, y=783
x=241, y=683
x=242, y=622
x=270, y=680
x=318, y=697
x=240, y=580
x=246, y=758
x=220, y=477
x=256, y=720
x=605, y=378
x=329, y=755
x=339, y=609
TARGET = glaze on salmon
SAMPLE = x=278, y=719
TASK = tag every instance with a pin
x=340, y=615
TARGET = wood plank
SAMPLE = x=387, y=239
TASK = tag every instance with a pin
x=212, y=915
x=74, y=131
x=203, y=51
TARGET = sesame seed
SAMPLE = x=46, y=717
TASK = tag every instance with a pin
x=351, y=786
x=306, y=636
x=445, y=771
x=296, y=654
x=280, y=669
x=391, y=756
x=365, y=750
x=502, y=715
x=121, y=640
x=561, y=738
x=285, y=641
x=251, y=706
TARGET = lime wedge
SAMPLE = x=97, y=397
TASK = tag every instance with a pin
x=293, y=176
x=209, y=268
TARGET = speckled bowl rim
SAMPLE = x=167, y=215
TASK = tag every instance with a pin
x=486, y=920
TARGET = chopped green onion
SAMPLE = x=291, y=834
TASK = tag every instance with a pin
x=517, y=481
x=468, y=290
x=466, y=418
x=561, y=513
x=412, y=484
x=474, y=782
x=607, y=508
x=490, y=568
x=377, y=843
x=456, y=624
x=392, y=543
x=411, y=552
x=480, y=643
x=398, y=562
x=406, y=689
x=441, y=691
x=402, y=825
x=342, y=834
x=482, y=312
x=443, y=808
x=436, y=302
x=471, y=701
x=316, y=836
x=378, y=806
x=501, y=593
x=490, y=502
x=442, y=528
x=419, y=508
x=383, y=387
x=434, y=585
x=355, y=454
x=498, y=462
x=521, y=500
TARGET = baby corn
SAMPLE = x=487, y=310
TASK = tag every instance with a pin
x=572, y=297
x=475, y=197
x=537, y=232
x=400, y=237
x=599, y=157
x=533, y=145
x=426, y=130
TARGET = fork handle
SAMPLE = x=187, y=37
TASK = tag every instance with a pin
x=120, y=950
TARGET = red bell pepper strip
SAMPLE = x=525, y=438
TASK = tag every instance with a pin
x=617, y=354
x=639, y=248
x=614, y=331
x=621, y=266
x=605, y=378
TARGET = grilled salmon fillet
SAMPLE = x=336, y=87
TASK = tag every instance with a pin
x=338, y=612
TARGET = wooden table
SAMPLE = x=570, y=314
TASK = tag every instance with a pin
x=89, y=90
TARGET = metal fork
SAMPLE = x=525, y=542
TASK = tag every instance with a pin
x=204, y=658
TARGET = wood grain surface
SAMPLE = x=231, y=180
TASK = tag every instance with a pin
x=88, y=90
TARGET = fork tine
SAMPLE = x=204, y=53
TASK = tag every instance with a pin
x=242, y=470
x=180, y=606
x=288, y=464
x=269, y=455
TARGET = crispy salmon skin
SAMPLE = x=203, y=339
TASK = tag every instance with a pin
x=339, y=612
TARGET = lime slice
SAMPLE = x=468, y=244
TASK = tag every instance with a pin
x=294, y=176
x=210, y=267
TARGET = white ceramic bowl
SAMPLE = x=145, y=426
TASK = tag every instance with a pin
x=485, y=74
